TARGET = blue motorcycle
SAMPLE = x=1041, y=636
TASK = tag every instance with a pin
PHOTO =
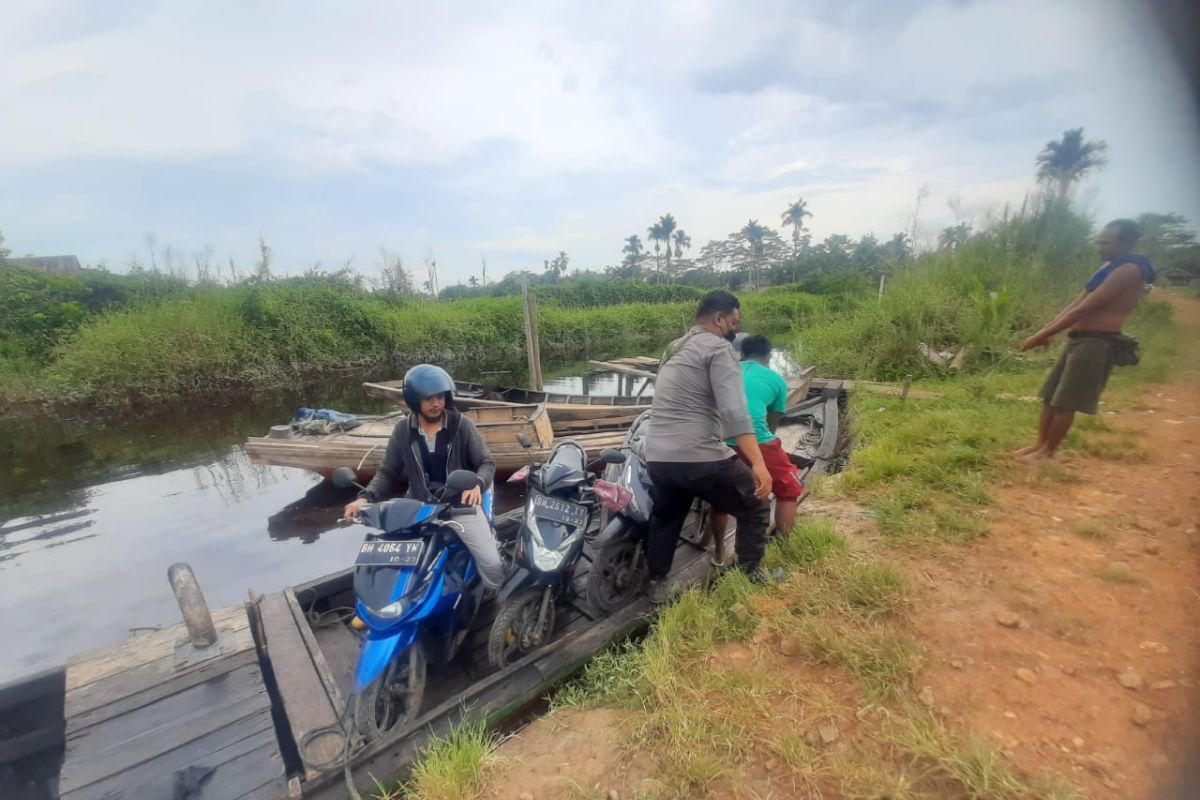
x=417, y=591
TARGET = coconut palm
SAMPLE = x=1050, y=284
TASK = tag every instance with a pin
x=682, y=242
x=1064, y=161
x=754, y=233
x=794, y=216
x=667, y=225
x=633, y=250
x=656, y=235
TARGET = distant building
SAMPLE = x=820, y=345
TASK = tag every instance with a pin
x=59, y=265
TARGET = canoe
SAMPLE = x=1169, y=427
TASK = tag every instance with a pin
x=363, y=448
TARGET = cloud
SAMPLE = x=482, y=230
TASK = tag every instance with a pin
x=516, y=131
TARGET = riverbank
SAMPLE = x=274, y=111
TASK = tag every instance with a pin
x=956, y=623
x=152, y=349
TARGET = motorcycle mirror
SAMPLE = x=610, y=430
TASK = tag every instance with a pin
x=524, y=441
x=344, y=478
x=461, y=480
x=610, y=456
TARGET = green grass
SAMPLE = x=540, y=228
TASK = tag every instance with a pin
x=1119, y=575
x=457, y=767
x=1095, y=530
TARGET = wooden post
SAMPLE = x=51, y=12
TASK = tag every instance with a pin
x=881, y=278
x=532, y=349
x=908, y=379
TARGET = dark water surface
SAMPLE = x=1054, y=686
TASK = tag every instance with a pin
x=92, y=514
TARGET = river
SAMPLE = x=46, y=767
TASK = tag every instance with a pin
x=92, y=514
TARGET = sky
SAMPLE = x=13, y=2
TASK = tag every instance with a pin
x=508, y=132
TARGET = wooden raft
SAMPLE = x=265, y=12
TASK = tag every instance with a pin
x=148, y=712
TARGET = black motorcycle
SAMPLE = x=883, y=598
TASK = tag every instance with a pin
x=619, y=570
x=560, y=504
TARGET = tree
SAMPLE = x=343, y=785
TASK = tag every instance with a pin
x=559, y=265
x=394, y=279
x=1167, y=242
x=265, y=256
x=473, y=282
x=634, y=254
x=1065, y=161
x=4, y=251
x=794, y=216
x=667, y=225
x=754, y=234
x=656, y=235
x=682, y=242
x=954, y=237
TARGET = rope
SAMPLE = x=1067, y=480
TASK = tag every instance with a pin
x=338, y=728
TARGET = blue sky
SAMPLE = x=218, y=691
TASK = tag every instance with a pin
x=511, y=131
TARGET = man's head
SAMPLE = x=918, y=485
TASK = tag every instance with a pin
x=719, y=312
x=756, y=348
x=428, y=390
x=1117, y=239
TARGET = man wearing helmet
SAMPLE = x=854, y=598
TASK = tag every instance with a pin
x=433, y=441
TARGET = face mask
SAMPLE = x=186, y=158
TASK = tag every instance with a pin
x=729, y=337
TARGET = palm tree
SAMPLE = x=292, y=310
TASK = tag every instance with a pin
x=754, y=233
x=1064, y=161
x=655, y=232
x=794, y=216
x=634, y=253
x=682, y=242
x=954, y=237
x=667, y=224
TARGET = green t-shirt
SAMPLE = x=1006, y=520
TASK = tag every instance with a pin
x=766, y=391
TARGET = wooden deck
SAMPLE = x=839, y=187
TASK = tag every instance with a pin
x=151, y=713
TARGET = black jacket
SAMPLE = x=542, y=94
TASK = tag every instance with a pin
x=402, y=462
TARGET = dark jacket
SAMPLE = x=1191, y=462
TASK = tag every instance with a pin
x=466, y=450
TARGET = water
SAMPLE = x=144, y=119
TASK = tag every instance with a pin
x=91, y=516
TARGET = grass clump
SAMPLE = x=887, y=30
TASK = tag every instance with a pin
x=1092, y=529
x=457, y=767
x=1119, y=575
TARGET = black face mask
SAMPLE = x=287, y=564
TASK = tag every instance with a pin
x=729, y=337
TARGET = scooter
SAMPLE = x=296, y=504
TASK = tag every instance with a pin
x=417, y=592
x=619, y=571
x=561, y=501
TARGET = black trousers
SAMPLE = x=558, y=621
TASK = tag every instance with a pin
x=727, y=486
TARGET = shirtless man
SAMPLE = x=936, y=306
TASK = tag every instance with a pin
x=1094, y=320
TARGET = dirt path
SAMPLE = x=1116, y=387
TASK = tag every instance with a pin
x=1097, y=680
x=1068, y=638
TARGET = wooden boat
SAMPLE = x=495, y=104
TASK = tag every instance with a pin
x=812, y=431
x=472, y=395
x=240, y=717
x=363, y=448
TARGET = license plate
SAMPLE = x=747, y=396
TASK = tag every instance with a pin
x=391, y=554
x=564, y=511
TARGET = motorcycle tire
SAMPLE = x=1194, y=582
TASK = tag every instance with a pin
x=393, y=699
x=614, y=579
x=514, y=628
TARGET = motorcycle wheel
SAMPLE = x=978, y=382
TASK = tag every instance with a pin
x=515, y=628
x=618, y=574
x=393, y=699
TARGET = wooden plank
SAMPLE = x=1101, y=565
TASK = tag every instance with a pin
x=301, y=689
x=314, y=651
x=138, y=651
x=340, y=649
x=142, y=736
x=609, y=366
x=103, y=706
x=248, y=740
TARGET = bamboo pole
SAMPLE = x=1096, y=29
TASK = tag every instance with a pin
x=533, y=350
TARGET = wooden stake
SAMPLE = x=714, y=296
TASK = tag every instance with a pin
x=533, y=350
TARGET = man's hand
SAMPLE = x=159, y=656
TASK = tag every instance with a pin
x=762, y=480
x=353, y=508
x=1039, y=339
x=472, y=497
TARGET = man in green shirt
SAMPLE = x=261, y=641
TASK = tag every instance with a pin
x=766, y=400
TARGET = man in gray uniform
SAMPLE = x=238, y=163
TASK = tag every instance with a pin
x=699, y=402
x=432, y=442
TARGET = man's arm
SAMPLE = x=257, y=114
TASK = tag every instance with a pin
x=725, y=376
x=1125, y=278
x=779, y=404
x=478, y=454
x=386, y=483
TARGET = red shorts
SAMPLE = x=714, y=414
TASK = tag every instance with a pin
x=785, y=476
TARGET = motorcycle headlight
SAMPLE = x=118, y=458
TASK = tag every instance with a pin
x=393, y=610
x=545, y=559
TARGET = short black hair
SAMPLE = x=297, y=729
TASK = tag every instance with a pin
x=756, y=347
x=718, y=301
x=1128, y=232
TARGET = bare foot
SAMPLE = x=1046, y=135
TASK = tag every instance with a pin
x=1037, y=456
x=1024, y=451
